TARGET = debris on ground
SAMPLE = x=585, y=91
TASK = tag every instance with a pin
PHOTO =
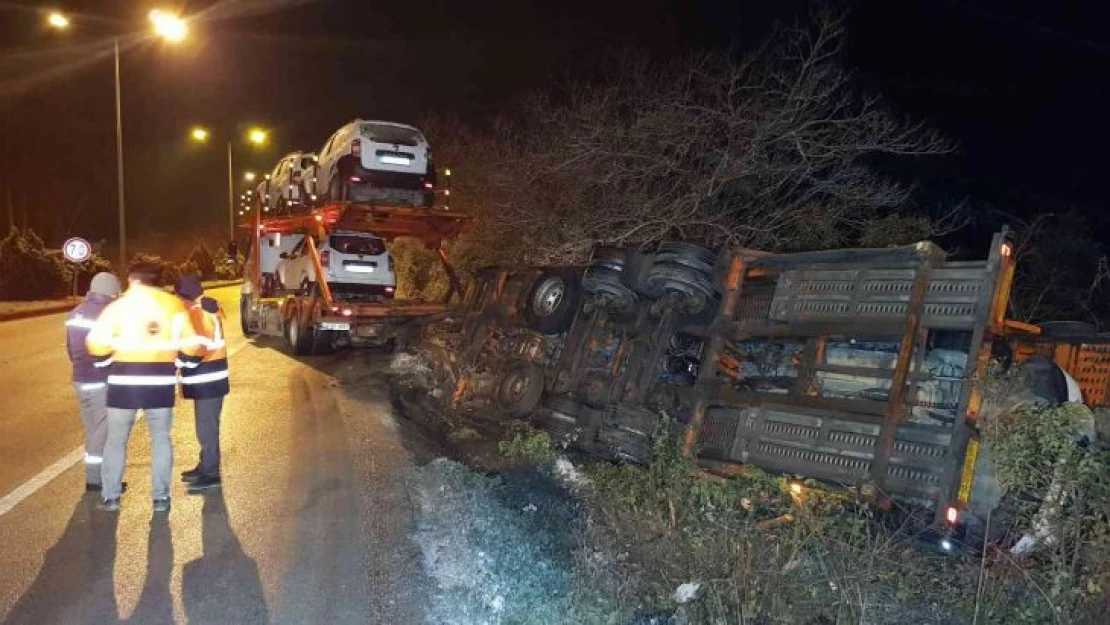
x=569, y=474
x=408, y=364
x=687, y=592
x=492, y=562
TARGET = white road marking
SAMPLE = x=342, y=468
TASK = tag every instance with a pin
x=31, y=486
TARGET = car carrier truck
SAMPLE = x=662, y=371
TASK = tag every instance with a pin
x=314, y=318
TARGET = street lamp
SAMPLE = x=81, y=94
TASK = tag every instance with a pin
x=168, y=27
x=255, y=136
x=57, y=20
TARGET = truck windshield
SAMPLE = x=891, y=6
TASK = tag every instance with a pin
x=396, y=135
x=354, y=244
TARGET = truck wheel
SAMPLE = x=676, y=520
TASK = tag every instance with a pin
x=685, y=270
x=603, y=277
x=552, y=302
x=520, y=389
x=244, y=314
x=301, y=335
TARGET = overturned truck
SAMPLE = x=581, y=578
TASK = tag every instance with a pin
x=856, y=367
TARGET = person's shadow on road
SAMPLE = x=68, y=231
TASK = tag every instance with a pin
x=75, y=583
x=156, y=601
x=223, y=585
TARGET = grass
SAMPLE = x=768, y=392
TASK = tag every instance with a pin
x=762, y=554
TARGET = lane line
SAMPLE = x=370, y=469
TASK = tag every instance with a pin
x=31, y=486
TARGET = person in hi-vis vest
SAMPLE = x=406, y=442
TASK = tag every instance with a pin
x=207, y=384
x=142, y=338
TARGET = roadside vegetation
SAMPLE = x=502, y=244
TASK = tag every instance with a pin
x=30, y=271
x=671, y=543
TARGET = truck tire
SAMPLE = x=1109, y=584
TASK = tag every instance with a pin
x=520, y=389
x=604, y=277
x=552, y=302
x=301, y=333
x=683, y=269
x=244, y=315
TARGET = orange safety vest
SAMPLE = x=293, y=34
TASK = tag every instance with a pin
x=143, y=338
x=210, y=379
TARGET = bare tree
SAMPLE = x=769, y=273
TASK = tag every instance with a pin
x=774, y=150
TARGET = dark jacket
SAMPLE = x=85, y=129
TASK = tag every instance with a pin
x=78, y=324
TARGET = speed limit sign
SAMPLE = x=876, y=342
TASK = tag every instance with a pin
x=77, y=250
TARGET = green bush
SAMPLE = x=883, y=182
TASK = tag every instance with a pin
x=170, y=273
x=28, y=271
x=226, y=267
x=203, y=261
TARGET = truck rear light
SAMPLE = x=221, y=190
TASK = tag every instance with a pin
x=388, y=289
x=347, y=312
x=356, y=148
x=325, y=259
x=356, y=179
x=951, y=515
x=427, y=185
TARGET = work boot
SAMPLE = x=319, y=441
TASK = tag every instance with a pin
x=162, y=505
x=191, y=475
x=110, y=505
x=203, y=483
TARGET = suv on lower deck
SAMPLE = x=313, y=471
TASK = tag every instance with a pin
x=355, y=264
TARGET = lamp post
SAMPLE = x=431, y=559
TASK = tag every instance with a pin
x=255, y=136
x=168, y=27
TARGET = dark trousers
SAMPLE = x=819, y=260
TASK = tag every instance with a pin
x=208, y=434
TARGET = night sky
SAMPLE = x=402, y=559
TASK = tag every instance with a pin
x=1022, y=86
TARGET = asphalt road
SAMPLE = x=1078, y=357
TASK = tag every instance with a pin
x=312, y=525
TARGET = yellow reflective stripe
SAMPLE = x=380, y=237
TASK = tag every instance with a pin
x=968, y=475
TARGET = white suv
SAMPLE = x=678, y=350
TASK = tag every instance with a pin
x=290, y=185
x=356, y=264
x=377, y=161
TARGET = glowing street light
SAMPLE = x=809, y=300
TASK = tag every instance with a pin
x=257, y=136
x=249, y=176
x=200, y=134
x=169, y=26
x=57, y=20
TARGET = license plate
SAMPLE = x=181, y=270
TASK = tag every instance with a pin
x=395, y=160
x=359, y=268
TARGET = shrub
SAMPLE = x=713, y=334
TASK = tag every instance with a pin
x=28, y=271
x=226, y=267
x=203, y=261
x=170, y=273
